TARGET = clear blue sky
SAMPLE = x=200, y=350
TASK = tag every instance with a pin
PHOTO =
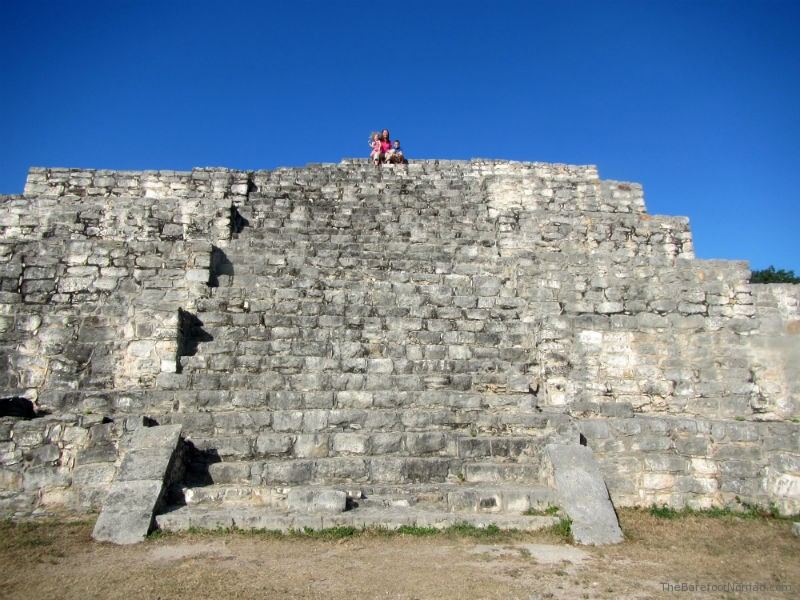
x=699, y=101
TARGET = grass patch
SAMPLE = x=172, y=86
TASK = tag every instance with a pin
x=563, y=529
x=742, y=510
x=468, y=530
x=416, y=531
x=547, y=512
x=42, y=541
x=332, y=533
x=459, y=530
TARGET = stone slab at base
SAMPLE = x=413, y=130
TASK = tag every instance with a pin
x=257, y=518
x=583, y=494
x=127, y=515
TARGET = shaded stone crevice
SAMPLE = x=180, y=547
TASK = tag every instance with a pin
x=189, y=336
x=221, y=269
x=19, y=407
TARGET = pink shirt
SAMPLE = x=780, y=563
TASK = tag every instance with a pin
x=385, y=146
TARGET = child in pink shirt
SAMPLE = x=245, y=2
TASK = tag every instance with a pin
x=375, y=144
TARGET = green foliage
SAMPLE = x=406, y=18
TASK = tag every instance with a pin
x=547, y=512
x=744, y=510
x=331, y=533
x=664, y=512
x=343, y=532
x=771, y=275
x=467, y=530
x=416, y=531
x=563, y=529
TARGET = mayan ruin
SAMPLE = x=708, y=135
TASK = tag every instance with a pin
x=421, y=344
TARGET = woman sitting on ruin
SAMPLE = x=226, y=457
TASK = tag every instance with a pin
x=386, y=144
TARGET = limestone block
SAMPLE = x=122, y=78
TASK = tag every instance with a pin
x=704, y=466
x=354, y=399
x=44, y=477
x=316, y=500
x=287, y=420
x=786, y=486
x=604, y=308
x=386, y=443
x=273, y=444
x=231, y=472
x=47, y=454
x=583, y=494
x=311, y=446
x=351, y=443
x=287, y=472
x=10, y=480
x=424, y=443
x=136, y=492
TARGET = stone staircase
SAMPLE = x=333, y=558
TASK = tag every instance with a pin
x=348, y=344
x=345, y=344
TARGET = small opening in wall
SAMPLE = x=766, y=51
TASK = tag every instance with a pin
x=582, y=439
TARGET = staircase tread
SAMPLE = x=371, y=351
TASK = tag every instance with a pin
x=186, y=517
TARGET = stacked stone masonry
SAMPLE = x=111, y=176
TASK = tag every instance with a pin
x=410, y=332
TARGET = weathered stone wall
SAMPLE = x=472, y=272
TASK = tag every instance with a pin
x=774, y=350
x=697, y=462
x=93, y=314
x=382, y=317
x=94, y=266
x=56, y=462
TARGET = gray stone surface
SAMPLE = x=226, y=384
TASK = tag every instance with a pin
x=583, y=495
x=313, y=500
x=383, y=517
x=796, y=528
x=339, y=325
x=138, y=487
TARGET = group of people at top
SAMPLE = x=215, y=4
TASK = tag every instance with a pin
x=384, y=150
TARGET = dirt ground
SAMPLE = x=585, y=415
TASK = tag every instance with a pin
x=59, y=560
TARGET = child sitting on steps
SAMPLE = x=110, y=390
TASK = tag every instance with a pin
x=395, y=155
x=375, y=144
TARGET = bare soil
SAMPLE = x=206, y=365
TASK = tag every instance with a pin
x=59, y=560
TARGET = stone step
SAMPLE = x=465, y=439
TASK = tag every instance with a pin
x=200, y=517
x=347, y=314
x=330, y=381
x=236, y=404
x=343, y=297
x=441, y=497
x=347, y=298
x=353, y=469
x=523, y=449
x=369, y=420
x=327, y=348
x=260, y=399
x=249, y=396
x=306, y=364
x=374, y=336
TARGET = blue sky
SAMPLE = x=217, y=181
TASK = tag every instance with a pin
x=696, y=100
